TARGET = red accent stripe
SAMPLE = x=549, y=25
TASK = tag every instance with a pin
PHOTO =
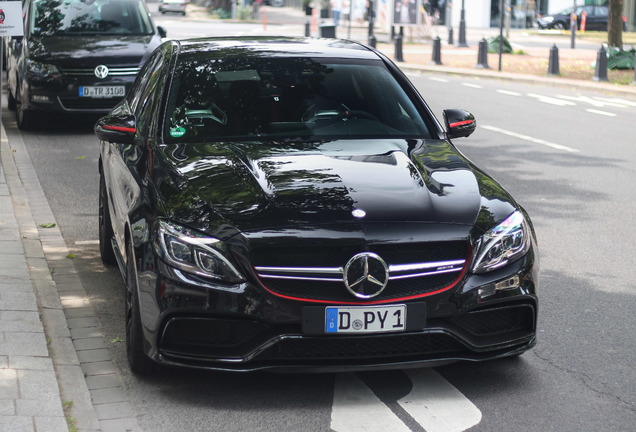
x=461, y=123
x=400, y=299
x=120, y=128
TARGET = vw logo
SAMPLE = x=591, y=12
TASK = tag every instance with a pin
x=366, y=275
x=101, y=71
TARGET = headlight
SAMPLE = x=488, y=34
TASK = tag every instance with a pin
x=43, y=70
x=505, y=243
x=194, y=253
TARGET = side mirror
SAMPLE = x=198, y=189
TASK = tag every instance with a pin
x=459, y=123
x=116, y=128
x=162, y=31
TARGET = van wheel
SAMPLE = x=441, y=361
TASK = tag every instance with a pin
x=24, y=118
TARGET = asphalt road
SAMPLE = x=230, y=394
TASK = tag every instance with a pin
x=567, y=157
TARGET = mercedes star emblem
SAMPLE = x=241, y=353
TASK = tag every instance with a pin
x=366, y=275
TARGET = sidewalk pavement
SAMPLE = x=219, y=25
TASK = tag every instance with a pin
x=55, y=370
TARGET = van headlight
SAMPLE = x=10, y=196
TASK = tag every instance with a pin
x=195, y=253
x=505, y=243
x=42, y=70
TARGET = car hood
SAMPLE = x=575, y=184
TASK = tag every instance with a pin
x=252, y=186
x=88, y=51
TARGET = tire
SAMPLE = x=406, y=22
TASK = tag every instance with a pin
x=560, y=26
x=139, y=362
x=12, y=103
x=105, y=227
x=24, y=118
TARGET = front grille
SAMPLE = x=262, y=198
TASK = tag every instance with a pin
x=364, y=348
x=316, y=273
x=87, y=104
x=116, y=71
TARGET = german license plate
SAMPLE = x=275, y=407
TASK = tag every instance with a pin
x=102, y=91
x=365, y=319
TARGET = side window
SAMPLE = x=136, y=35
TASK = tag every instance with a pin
x=144, y=91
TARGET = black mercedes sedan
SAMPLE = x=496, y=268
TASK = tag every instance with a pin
x=293, y=204
x=77, y=56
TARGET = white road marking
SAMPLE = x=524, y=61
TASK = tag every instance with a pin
x=86, y=242
x=438, y=79
x=618, y=101
x=436, y=405
x=551, y=100
x=531, y=139
x=477, y=86
x=433, y=402
x=357, y=409
x=508, y=92
x=603, y=113
x=593, y=102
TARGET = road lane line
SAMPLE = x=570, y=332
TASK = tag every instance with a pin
x=471, y=85
x=593, y=102
x=531, y=139
x=438, y=79
x=508, y=92
x=618, y=101
x=603, y=113
x=551, y=100
x=436, y=405
x=357, y=409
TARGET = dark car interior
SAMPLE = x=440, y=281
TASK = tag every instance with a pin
x=293, y=97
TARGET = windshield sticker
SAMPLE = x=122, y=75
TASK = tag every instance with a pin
x=177, y=132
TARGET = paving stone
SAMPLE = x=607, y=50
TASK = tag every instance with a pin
x=17, y=424
x=89, y=343
x=10, y=385
x=110, y=395
x=89, y=356
x=49, y=407
x=111, y=411
x=38, y=385
x=31, y=363
x=98, y=368
x=25, y=344
x=51, y=424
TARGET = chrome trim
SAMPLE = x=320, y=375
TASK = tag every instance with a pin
x=314, y=273
x=111, y=71
x=425, y=266
x=319, y=270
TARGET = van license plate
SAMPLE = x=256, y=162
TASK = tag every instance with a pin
x=102, y=91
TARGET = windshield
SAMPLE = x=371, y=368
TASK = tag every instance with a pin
x=95, y=17
x=217, y=97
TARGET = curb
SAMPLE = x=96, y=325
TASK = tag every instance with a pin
x=86, y=376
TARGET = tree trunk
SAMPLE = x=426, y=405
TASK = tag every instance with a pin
x=615, y=24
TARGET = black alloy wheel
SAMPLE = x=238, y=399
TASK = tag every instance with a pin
x=138, y=361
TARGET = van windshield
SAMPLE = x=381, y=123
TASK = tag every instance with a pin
x=95, y=17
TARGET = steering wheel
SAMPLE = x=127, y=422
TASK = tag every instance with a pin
x=213, y=113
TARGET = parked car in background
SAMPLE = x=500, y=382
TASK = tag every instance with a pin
x=596, y=18
x=175, y=6
x=293, y=204
x=77, y=56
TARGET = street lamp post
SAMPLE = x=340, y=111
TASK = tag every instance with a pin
x=462, y=28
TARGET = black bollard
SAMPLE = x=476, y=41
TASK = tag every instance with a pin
x=553, y=62
x=600, y=72
x=372, y=41
x=398, y=48
x=307, y=29
x=482, y=55
x=437, y=51
x=450, y=36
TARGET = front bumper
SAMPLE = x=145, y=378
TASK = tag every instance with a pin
x=244, y=328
